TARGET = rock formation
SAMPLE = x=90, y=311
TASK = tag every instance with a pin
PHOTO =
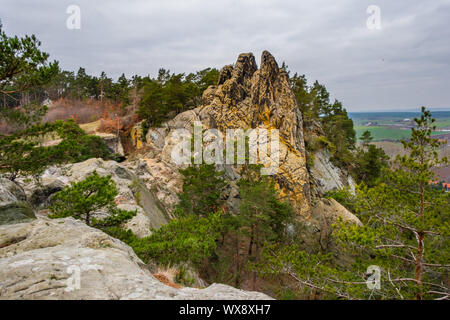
x=132, y=194
x=244, y=98
x=43, y=259
x=38, y=257
x=14, y=207
x=325, y=176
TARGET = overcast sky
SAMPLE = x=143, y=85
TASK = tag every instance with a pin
x=404, y=65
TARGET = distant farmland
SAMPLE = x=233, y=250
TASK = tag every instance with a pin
x=388, y=128
x=386, y=133
x=395, y=126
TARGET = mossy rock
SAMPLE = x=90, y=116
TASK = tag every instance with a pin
x=16, y=212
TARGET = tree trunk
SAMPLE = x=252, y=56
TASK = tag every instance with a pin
x=238, y=270
x=420, y=248
x=419, y=258
x=250, y=247
x=256, y=255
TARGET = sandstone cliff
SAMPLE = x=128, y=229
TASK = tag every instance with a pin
x=65, y=259
x=245, y=97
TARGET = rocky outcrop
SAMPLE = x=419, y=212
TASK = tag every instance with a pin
x=112, y=141
x=14, y=207
x=40, y=194
x=331, y=210
x=65, y=259
x=325, y=213
x=132, y=193
x=325, y=176
x=245, y=97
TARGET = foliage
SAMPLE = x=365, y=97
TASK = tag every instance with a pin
x=366, y=138
x=25, y=153
x=82, y=86
x=84, y=198
x=405, y=233
x=370, y=162
x=23, y=68
x=202, y=186
x=190, y=239
x=262, y=216
x=170, y=94
x=344, y=196
x=314, y=103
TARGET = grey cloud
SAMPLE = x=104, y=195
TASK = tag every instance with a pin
x=404, y=65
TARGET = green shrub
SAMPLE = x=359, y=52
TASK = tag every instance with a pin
x=324, y=142
x=344, y=197
x=23, y=153
x=83, y=198
x=190, y=239
x=202, y=186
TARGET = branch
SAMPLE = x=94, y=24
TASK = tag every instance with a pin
x=417, y=281
x=445, y=295
x=423, y=263
x=289, y=272
x=394, y=246
x=392, y=283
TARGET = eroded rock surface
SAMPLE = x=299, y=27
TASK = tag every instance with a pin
x=41, y=260
x=326, y=176
x=132, y=193
x=14, y=207
x=325, y=213
x=244, y=98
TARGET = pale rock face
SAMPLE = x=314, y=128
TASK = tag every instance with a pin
x=333, y=210
x=326, y=176
x=132, y=194
x=42, y=260
x=112, y=141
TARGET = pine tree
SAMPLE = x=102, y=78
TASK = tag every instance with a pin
x=405, y=233
x=202, y=186
x=84, y=198
x=366, y=138
x=23, y=67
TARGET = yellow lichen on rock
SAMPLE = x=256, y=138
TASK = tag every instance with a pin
x=246, y=97
x=137, y=136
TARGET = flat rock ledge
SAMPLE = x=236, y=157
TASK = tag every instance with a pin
x=66, y=259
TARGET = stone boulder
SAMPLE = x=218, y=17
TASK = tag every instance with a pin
x=41, y=194
x=325, y=213
x=65, y=259
x=132, y=193
x=14, y=207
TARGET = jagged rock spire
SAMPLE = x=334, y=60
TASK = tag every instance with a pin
x=248, y=97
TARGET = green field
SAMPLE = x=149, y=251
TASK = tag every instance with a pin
x=393, y=126
x=385, y=133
